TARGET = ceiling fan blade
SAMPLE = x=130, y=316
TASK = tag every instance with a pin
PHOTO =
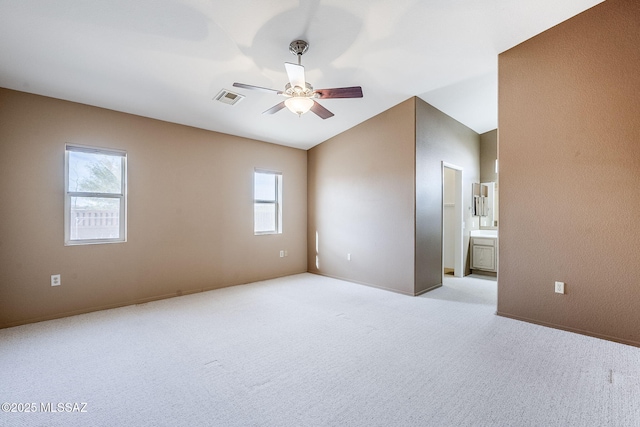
x=275, y=108
x=340, y=92
x=320, y=111
x=295, y=73
x=251, y=87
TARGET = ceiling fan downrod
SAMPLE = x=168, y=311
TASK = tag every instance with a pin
x=298, y=48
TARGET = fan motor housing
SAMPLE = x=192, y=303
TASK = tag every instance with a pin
x=298, y=47
x=307, y=92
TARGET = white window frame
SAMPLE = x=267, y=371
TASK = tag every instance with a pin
x=277, y=202
x=122, y=196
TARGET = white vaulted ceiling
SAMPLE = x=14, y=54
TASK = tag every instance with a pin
x=167, y=59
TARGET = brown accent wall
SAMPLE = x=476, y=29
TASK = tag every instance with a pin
x=440, y=138
x=361, y=201
x=569, y=146
x=190, y=213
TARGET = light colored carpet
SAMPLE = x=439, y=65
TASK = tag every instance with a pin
x=307, y=350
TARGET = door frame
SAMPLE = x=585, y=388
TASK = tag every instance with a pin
x=458, y=265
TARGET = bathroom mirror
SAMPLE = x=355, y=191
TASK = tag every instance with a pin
x=479, y=205
x=484, y=204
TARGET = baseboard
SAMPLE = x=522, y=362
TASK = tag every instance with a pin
x=371, y=285
x=424, y=291
x=93, y=309
x=484, y=273
x=569, y=329
x=136, y=301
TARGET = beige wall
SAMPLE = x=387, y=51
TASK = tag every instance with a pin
x=569, y=144
x=440, y=138
x=361, y=201
x=488, y=156
x=375, y=192
x=190, y=215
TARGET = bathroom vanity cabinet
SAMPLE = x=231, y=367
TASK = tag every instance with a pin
x=483, y=254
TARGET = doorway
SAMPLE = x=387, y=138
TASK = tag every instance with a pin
x=452, y=215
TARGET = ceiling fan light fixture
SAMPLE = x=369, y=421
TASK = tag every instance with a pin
x=298, y=104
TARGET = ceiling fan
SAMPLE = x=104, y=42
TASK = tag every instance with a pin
x=299, y=93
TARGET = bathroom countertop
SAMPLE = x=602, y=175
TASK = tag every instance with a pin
x=484, y=233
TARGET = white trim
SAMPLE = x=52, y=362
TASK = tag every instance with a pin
x=458, y=266
x=122, y=196
x=278, y=201
x=95, y=150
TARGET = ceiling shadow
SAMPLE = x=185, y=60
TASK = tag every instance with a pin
x=330, y=32
x=167, y=18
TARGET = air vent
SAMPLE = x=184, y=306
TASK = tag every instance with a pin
x=228, y=97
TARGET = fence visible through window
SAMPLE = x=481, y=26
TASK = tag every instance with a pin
x=267, y=202
x=94, y=224
x=95, y=195
x=265, y=217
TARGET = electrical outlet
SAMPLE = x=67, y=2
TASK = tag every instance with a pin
x=281, y=254
x=55, y=280
x=348, y=257
x=559, y=287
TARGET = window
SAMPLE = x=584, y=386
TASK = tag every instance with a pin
x=95, y=195
x=267, y=202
